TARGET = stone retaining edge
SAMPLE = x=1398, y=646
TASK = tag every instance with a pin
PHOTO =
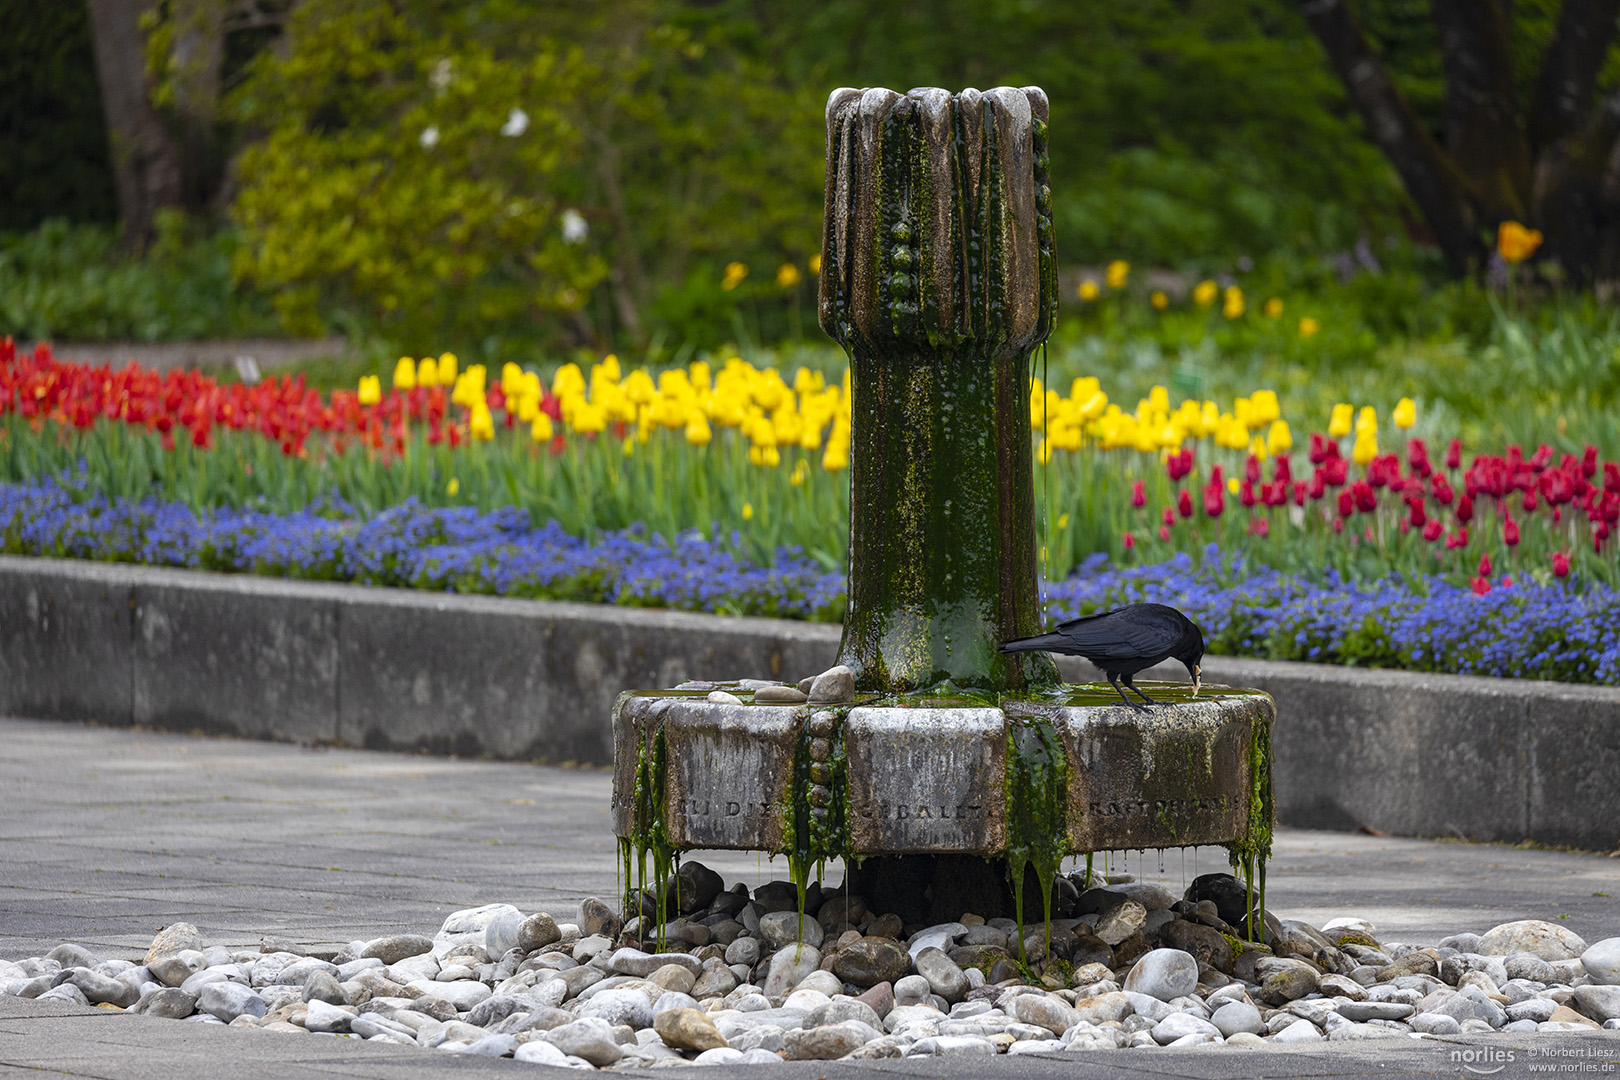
x=397, y=669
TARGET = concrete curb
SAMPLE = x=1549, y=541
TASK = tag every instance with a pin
x=396, y=669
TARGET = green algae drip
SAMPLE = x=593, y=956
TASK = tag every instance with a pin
x=1037, y=795
x=815, y=820
x=650, y=834
x=1250, y=855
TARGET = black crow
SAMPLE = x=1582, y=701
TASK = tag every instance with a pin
x=1125, y=641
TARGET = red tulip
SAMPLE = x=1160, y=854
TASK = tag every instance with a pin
x=1417, y=457
x=1611, y=475
x=1214, y=500
x=1130, y=541
x=1138, y=495
x=1347, y=504
x=1251, y=469
x=1318, y=486
x=1431, y=531
x=1510, y=532
x=1589, y=461
x=1485, y=567
x=1283, y=472
x=1366, y=498
x=1458, y=539
x=1560, y=563
x=1418, y=517
x=1481, y=586
x=1465, y=509
x=1184, y=503
x=1454, y=454
x=1260, y=527
x=1168, y=517
x=1299, y=493
x=1335, y=471
x=1246, y=493
x=1319, y=447
x=1164, y=532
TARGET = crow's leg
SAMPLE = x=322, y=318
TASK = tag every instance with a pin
x=1127, y=681
x=1113, y=680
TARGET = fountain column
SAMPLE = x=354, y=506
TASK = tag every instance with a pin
x=939, y=280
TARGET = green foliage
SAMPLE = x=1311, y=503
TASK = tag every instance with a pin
x=70, y=282
x=410, y=169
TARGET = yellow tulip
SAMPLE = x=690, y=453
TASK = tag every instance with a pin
x=748, y=511
x=629, y=445
x=787, y=276
x=814, y=264
x=452, y=487
x=801, y=473
x=1366, y=447
x=481, y=425
x=1515, y=243
x=1204, y=293
x=1118, y=271
x=1274, y=307
x=697, y=430
x=447, y=370
x=1232, y=302
x=511, y=378
x=1263, y=404
x=541, y=430
x=568, y=380
x=1339, y=424
x=836, y=458
x=370, y=389
x=427, y=374
x=1279, y=440
x=1405, y=413
x=1308, y=326
x=1257, y=447
x=1088, y=290
x=1159, y=399
x=405, y=374
x=1159, y=300
x=735, y=272
x=1232, y=485
x=1367, y=421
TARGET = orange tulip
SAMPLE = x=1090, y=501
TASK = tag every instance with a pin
x=1516, y=243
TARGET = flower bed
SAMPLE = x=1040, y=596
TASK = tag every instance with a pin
x=1514, y=630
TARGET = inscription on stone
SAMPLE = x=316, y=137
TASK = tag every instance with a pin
x=926, y=779
x=1157, y=808
x=730, y=774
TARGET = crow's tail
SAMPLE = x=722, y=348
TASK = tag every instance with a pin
x=1034, y=644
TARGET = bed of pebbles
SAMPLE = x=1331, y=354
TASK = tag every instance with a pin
x=740, y=978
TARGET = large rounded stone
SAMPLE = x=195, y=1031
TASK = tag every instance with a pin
x=1289, y=984
x=1120, y=922
x=698, y=886
x=1602, y=961
x=1236, y=1016
x=1532, y=936
x=1205, y=944
x=1164, y=974
x=781, y=928
x=826, y=1043
x=174, y=938
x=537, y=931
x=396, y=947
x=944, y=977
x=1227, y=893
x=688, y=1029
x=870, y=961
x=597, y=919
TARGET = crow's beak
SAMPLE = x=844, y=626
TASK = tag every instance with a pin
x=1198, y=679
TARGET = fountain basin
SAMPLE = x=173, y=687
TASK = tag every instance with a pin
x=1064, y=772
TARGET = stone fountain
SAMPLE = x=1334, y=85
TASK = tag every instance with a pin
x=944, y=772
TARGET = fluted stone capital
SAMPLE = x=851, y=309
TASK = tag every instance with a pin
x=938, y=227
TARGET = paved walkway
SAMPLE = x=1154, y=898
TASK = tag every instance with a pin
x=109, y=834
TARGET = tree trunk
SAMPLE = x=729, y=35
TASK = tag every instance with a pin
x=1431, y=178
x=199, y=51
x=145, y=158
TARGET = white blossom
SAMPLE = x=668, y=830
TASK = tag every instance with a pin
x=517, y=122
x=574, y=228
x=429, y=137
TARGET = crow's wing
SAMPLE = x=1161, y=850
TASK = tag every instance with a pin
x=1123, y=634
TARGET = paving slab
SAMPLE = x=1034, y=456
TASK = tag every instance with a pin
x=110, y=833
